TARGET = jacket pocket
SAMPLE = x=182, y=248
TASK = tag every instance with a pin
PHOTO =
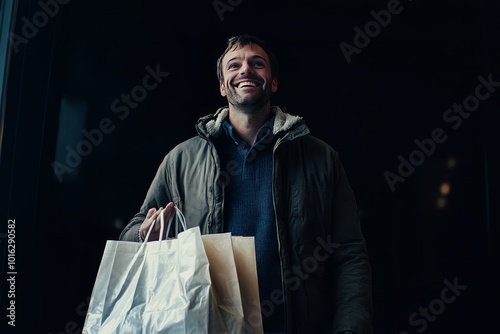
x=310, y=213
x=307, y=200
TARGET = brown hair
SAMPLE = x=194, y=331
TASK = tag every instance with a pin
x=242, y=40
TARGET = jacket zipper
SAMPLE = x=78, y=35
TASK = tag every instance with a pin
x=285, y=305
x=212, y=176
x=278, y=142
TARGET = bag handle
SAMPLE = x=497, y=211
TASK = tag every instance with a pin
x=180, y=217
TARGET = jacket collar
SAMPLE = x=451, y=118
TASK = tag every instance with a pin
x=211, y=125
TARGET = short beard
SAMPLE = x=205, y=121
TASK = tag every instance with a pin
x=249, y=107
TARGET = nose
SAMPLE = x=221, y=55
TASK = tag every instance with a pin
x=245, y=68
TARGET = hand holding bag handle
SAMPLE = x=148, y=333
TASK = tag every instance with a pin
x=180, y=217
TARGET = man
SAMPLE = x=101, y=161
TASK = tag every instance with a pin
x=255, y=170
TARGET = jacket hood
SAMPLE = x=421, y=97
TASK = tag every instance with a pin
x=211, y=125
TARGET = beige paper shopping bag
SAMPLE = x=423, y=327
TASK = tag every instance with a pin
x=246, y=266
x=233, y=271
x=224, y=276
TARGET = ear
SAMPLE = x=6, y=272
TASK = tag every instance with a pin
x=222, y=88
x=274, y=85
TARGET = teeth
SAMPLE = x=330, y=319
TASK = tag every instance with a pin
x=247, y=83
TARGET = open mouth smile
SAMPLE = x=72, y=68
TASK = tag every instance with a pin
x=244, y=84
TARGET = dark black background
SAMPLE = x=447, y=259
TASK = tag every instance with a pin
x=396, y=90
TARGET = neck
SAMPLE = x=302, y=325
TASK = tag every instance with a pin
x=246, y=123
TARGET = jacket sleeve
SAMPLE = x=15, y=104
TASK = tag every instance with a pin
x=350, y=267
x=157, y=196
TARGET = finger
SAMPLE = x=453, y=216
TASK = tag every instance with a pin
x=155, y=216
x=157, y=213
x=147, y=222
x=150, y=213
x=168, y=214
x=169, y=211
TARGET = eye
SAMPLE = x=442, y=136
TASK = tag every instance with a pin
x=258, y=64
x=232, y=66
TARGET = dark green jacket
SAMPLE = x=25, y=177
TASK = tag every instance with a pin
x=325, y=269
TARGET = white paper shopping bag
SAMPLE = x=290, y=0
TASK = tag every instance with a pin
x=155, y=287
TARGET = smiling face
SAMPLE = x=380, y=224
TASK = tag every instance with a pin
x=247, y=80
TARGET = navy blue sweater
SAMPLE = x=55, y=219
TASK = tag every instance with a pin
x=249, y=211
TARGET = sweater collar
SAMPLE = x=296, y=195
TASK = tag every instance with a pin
x=263, y=132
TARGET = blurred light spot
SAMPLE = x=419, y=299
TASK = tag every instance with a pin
x=445, y=188
x=451, y=163
x=118, y=224
x=441, y=202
